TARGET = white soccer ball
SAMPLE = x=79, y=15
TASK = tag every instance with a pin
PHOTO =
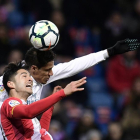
x=44, y=35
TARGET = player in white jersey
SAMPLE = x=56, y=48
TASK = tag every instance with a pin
x=43, y=71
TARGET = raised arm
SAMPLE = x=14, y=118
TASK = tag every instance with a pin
x=15, y=109
x=64, y=70
x=36, y=108
x=68, y=69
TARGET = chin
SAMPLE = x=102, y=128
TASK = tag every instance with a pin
x=30, y=93
x=44, y=82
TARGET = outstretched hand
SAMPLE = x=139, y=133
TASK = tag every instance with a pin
x=123, y=46
x=74, y=86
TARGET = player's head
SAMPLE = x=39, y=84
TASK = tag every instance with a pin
x=16, y=78
x=40, y=64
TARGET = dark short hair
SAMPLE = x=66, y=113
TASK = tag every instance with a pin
x=11, y=70
x=38, y=58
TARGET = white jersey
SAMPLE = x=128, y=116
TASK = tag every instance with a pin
x=60, y=71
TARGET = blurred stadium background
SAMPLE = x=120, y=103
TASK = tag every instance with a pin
x=109, y=107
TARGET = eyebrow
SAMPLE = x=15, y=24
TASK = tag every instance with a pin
x=23, y=73
x=48, y=69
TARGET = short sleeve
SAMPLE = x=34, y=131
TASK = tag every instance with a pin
x=9, y=105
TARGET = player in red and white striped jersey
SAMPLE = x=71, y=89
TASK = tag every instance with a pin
x=17, y=118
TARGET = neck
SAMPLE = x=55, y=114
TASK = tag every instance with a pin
x=19, y=95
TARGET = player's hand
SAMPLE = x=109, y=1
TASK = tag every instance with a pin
x=123, y=46
x=74, y=86
x=57, y=88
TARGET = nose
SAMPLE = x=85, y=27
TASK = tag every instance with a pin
x=30, y=79
x=50, y=72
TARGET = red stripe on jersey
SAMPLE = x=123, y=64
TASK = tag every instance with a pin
x=15, y=129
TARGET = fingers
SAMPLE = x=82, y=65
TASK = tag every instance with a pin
x=131, y=40
x=80, y=89
x=80, y=80
x=81, y=83
x=133, y=46
x=73, y=86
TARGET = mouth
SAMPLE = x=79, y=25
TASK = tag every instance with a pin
x=46, y=79
x=29, y=85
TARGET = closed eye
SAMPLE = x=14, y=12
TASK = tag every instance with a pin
x=48, y=69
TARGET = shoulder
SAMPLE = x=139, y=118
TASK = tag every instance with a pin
x=3, y=92
x=12, y=101
x=8, y=106
x=1, y=83
x=1, y=78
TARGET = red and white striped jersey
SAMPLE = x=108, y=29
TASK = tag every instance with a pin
x=20, y=129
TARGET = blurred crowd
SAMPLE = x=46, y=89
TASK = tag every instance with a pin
x=109, y=107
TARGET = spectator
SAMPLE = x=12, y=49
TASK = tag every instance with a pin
x=93, y=135
x=131, y=114
x=133, y=17
x=56, y=131
x=113, y=29
x=115, y=132
x=121, y=71
x=40, y=10
x=4, y=43
x=23, y=43
x=65, y=46
x=60, y=114
x=85, y=124
x=15, y=56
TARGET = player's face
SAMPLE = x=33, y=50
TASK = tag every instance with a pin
x=43, y=74
x=23, y=81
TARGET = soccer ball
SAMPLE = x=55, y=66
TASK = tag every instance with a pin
x=44, y=35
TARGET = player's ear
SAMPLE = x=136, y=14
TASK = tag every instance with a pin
x=11, y=84
x=34, y=69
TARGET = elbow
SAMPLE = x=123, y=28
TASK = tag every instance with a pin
x=30, y=116
x=23, y=116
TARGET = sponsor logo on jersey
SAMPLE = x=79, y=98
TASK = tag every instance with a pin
x=2, y=88
x=13, y=103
